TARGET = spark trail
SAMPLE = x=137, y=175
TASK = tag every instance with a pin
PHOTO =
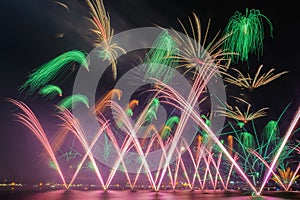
x=29, y=119
x=284, y=141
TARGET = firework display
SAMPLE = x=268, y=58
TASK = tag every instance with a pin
x=128, y=134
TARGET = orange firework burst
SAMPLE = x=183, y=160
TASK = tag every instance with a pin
x=103, y=102
x=251, y=83
x=196, y=53
x=286, y=176
x=236, y=113
x=101, y=23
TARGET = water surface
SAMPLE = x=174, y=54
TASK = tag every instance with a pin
x=139, y=195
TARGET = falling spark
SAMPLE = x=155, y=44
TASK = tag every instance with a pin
x=63, y=5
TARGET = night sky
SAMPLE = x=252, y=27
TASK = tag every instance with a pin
x=28, y=39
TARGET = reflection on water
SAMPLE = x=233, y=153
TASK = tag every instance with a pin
x=140, y=195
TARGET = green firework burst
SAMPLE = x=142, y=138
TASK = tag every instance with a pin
x=160, y=59
x=245, y=34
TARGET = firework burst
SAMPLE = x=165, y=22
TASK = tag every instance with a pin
x=159, y=59
x=246, y=34
x=236, y=113
x=101, y=27
x=196, y=53
x=250, y=83
x=50, y=71
x=51, y=91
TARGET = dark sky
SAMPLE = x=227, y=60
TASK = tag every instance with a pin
x=28, y=39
